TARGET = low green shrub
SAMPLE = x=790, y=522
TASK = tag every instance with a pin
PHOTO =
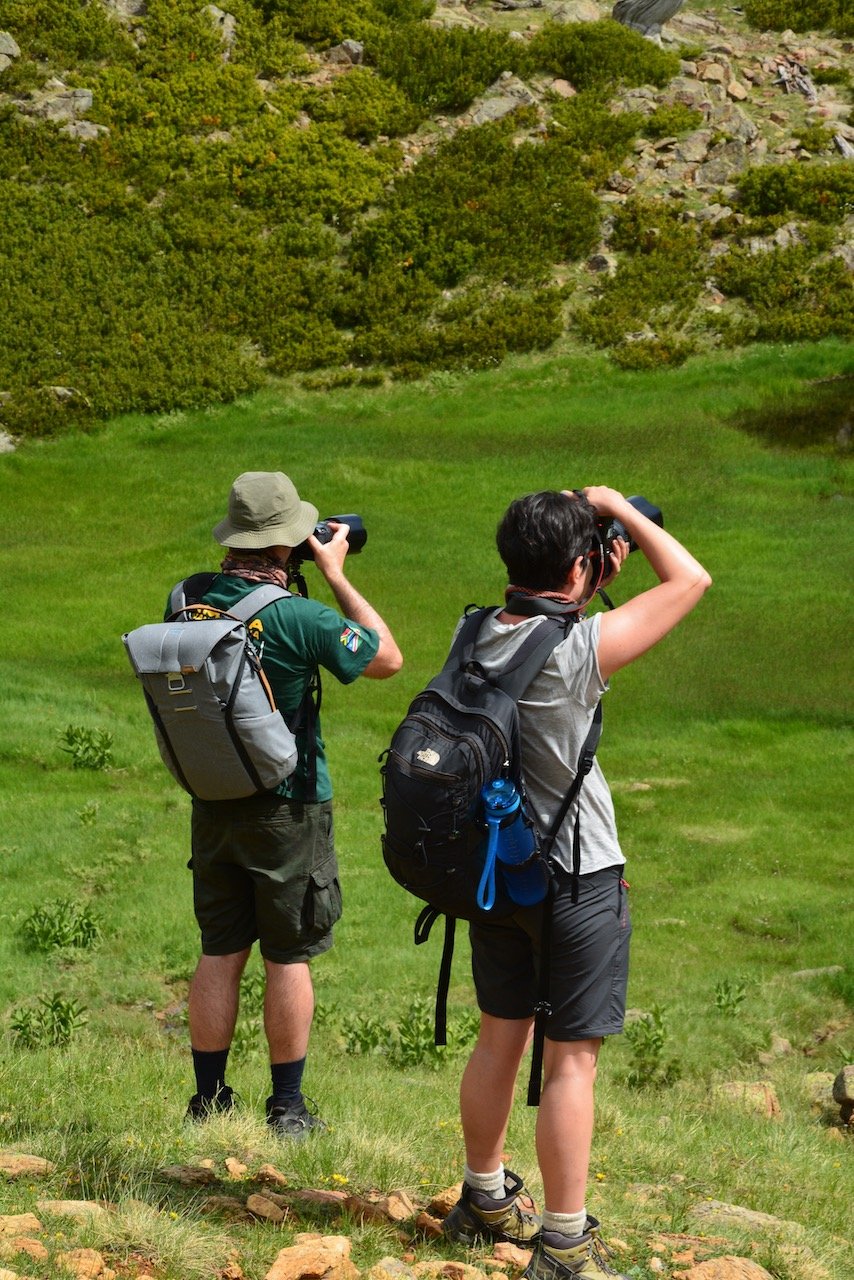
x=64, y=35
x=655, y=287
x=800, y=15
x=647, y=1039
x=481, y=204
x=363, y=105
x=815, y=137
x=664, y=350
x=792, y=296
x=672, y=118
x=598, y=55
x=824, y=192
x=589, y=138
x=88, y=748
x=442, y=69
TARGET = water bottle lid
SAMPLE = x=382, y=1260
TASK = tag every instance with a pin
x=500, y=794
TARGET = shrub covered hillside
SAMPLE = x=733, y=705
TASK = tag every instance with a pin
x=193, y=199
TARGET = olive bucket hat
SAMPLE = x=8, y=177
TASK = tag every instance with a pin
x=265, y=510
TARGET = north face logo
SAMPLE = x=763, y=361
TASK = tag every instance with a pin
x=429, y=756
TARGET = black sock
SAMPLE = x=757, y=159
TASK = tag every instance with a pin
x=210, y=1071
x=287, y=1083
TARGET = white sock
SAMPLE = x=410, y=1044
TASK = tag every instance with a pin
x=568, y=1224
x=491, y=1183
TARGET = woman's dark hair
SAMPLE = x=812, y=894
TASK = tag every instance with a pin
x=542, y=535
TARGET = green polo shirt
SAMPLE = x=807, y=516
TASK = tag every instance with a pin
x=293, y=637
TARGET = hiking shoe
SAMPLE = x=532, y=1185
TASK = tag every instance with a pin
x=294, y=1120
x=200, y=1108
x=479, y=1216
x=559, y=1257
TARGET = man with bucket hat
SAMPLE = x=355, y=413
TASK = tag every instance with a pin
x=265, y=867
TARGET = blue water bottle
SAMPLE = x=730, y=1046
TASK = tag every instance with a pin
x=511, y=841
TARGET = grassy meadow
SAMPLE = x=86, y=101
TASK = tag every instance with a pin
x=728, y=749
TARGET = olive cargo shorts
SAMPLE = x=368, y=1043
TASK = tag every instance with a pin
x=265, y=868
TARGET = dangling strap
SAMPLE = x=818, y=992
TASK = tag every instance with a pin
x=423, y=925
x=543, y=1008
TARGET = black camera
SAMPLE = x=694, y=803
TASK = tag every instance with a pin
x=357, y=536
x=609, y=528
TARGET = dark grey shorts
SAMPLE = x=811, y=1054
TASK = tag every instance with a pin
x=589, y=960
x=265, y=868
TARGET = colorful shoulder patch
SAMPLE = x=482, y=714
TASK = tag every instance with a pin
x=351, y=639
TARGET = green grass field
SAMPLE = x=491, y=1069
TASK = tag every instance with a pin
x=728, y=749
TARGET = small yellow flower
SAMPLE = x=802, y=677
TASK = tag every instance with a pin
x=173, y=1215
x=340, y=1178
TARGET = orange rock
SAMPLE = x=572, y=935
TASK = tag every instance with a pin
x=726, y=1268
x=270, y=1174
x=236, y=1169
x=12, y=1224
x=428, y=1226
x=263, y=1207
x=444, y=1201
x=511, y=1253
x=85, y=1264
x=314, y=1256
x=13, y=1165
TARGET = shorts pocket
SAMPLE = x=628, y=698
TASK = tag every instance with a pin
x=322, y=904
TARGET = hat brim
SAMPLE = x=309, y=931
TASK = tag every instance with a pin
x=290, y=534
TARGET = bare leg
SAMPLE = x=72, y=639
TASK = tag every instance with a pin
x=565, y=1122
x=486, y=1089
x=288, y=1010
x=214, y=1000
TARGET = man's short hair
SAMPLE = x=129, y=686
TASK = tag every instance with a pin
x=541, y=536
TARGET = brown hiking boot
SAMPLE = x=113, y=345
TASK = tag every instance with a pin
x=479, y=1216
x=559, y=1257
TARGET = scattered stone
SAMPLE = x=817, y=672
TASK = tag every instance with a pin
x=80, y=1210
x=577, y=11
x=226, y=25
x=843, y=1092
x=23, y=1166
x=437, y=1269
x=9, y=46
x=5, y=1273
x=236, y=1169
x=190, y=1175
x=756, y=1095
x=85, y=1264
x=429, y=1226
x=264, y=1207
x=230, y=1207
x=347, y=53
x=602, y=262
x=563, y=88
x=737, y=91
x=517, y=1258
x=390, y=1269
x=719, y=1214
x=314, y=1256
x=332, y=1199
x=726, y=1268
x=444, y=1201
x=15, y=1224
x=712, y=72
x=39, y=1252
x=270, y=1174
x=694, y=148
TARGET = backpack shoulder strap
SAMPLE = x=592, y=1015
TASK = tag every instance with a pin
x=254, y=601
x=194, y=589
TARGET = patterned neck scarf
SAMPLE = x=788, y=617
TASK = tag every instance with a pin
x=255, y=568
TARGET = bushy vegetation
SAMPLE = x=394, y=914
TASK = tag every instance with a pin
x=640, y=312
x=791, y=295
x=237, y=206
x=801, y=15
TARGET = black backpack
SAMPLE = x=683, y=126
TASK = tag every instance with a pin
x=461, y=732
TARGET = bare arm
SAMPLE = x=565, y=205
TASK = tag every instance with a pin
x=329, y=558
x=634, y=627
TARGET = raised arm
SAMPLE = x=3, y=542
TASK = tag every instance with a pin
x=632, y=628
x=329, y=558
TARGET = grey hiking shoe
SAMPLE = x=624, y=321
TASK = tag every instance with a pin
x=559, y=1257
x=478, y=1216
x=200, y=1108
x=293, y=1121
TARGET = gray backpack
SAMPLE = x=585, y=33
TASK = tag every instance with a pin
x=215, y=719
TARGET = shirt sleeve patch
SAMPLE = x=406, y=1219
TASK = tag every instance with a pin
x=351, y=639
